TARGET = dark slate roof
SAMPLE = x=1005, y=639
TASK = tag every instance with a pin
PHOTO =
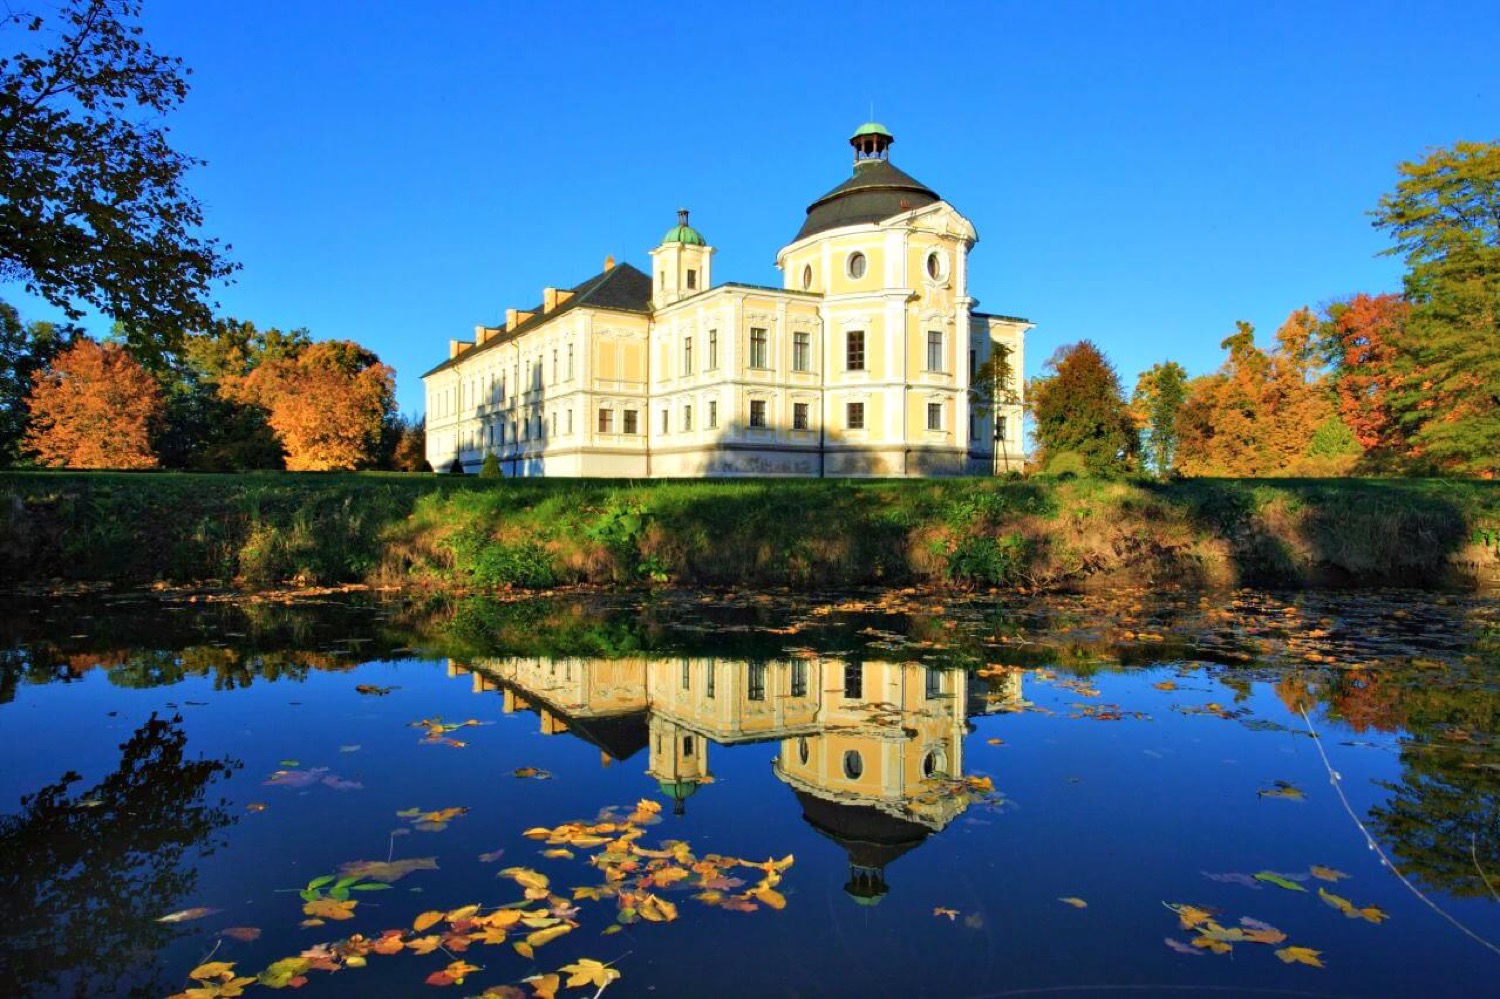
x=872, y=838
x=875, y=192
x=622, y=288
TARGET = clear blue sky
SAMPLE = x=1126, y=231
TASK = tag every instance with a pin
x=1142, y=174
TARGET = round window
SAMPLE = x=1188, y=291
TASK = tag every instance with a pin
x=807, y=277
x=856, y=265
x=854, y=764
x=802, y=751
x=937, y=268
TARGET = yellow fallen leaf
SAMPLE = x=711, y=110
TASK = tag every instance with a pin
x=586, y=971
x=1326, y=873
x=1076, y=903
x=952, y=914
x=1209, y=943
x=329, y=908
x=425, y=920
x=558, y=854
x=770, y=896
x=1301, y=955
x=545, y=986
x=213, y=969
x=1372, y=914
x=1190, y=915
x=541, y=937
x=460, y=914
x=524, y=949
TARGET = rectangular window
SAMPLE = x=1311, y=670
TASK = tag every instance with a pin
x=801, y=351
x=554, y=365
x=552, y=427
x=570, y=421
x=713, y=414
x=632, y=422
x=854, y=416
x=934, y=416
x=570, y=362
x=687, y=418
x=854, y=350
x=687, y=675
x=934, y=683
x=973, y=362
x=708, y=688
x=799, y=416
x=758, y=351
x=934, y=350
x=692, y=279
x=799, y=679
x=755, y=685
x=757, y=412
x=666, y=421
x=1002, y=428
x=713, y=350
x=687, y=353
x=854, y=682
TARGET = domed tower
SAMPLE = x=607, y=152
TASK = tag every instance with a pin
x=876, y=191
x=680, y=265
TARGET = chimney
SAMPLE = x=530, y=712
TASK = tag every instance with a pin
x=480, y=335
x=510, y=319
x=456, y=347
x=609, y=262
x=549, y=299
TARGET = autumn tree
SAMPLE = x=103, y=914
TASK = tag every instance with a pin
x=992, y=387
x=95, y=407
x=1257, y=415
x=93, y=207
x=1363, y=341
x=1079, y=408
x=1444, y=216
x=25, y=349
x=1159, y=395
x=407, y=442
x=327, y=403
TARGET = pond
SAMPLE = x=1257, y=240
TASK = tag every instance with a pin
x=737, y=794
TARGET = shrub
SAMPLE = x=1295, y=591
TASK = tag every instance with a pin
x=491, y=467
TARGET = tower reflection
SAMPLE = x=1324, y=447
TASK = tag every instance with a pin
x=873, y=750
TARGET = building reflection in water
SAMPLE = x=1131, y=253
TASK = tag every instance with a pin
x=872, y=750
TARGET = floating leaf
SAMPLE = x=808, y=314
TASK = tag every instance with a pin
x=1271, y=877
x=586, y=971
x=1209, y=943
x=545, y=986
x=184, y=915
x=244, y=934
x=453, y=974
x=387, y=870
x=1282, y=789
x=1182, y=948
x=425, y=920
x=255, y=806
x=288, y=972
x=541, y=937
x=1190, y=915
x=952, y=914
x=370, y=688
x=1301, y=955
x=212, y=970
x=1076, y=903
x=561, y=854
x=492, y=856
x=532, y=773
x=329, y=908
x=1326, y=873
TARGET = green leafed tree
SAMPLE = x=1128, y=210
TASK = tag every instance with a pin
x=1079, y=407
x=1159, y=395
x=1444, y=216
x=93, y=205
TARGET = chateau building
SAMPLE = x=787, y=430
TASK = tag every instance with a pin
x=860, y=365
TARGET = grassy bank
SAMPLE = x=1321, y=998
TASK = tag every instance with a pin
x=446, y=532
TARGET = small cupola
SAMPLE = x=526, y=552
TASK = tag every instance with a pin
x=871, y=141
x=680, y=264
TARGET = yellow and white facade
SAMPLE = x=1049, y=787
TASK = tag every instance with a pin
x=860, y=365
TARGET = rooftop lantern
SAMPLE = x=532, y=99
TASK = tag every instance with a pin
x=871, y=141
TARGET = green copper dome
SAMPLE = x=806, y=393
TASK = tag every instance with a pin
x=678, y=790
x=872, y=128
x=684, y=233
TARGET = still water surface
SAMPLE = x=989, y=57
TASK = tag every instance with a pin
x=768, y=796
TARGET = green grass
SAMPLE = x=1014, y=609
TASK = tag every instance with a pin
x=447, y=532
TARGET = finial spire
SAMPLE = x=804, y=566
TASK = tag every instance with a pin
x=682, y=216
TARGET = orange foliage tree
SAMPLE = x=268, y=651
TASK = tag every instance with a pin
x=1257, y=415
x=95, y=407
x=1362, y=339
x=327, y=404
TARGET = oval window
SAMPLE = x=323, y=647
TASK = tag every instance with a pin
x=856, y=265
x=807, y=277
x=854, y=764
x=932, y=763
x=935, y=268
x=802, y=751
